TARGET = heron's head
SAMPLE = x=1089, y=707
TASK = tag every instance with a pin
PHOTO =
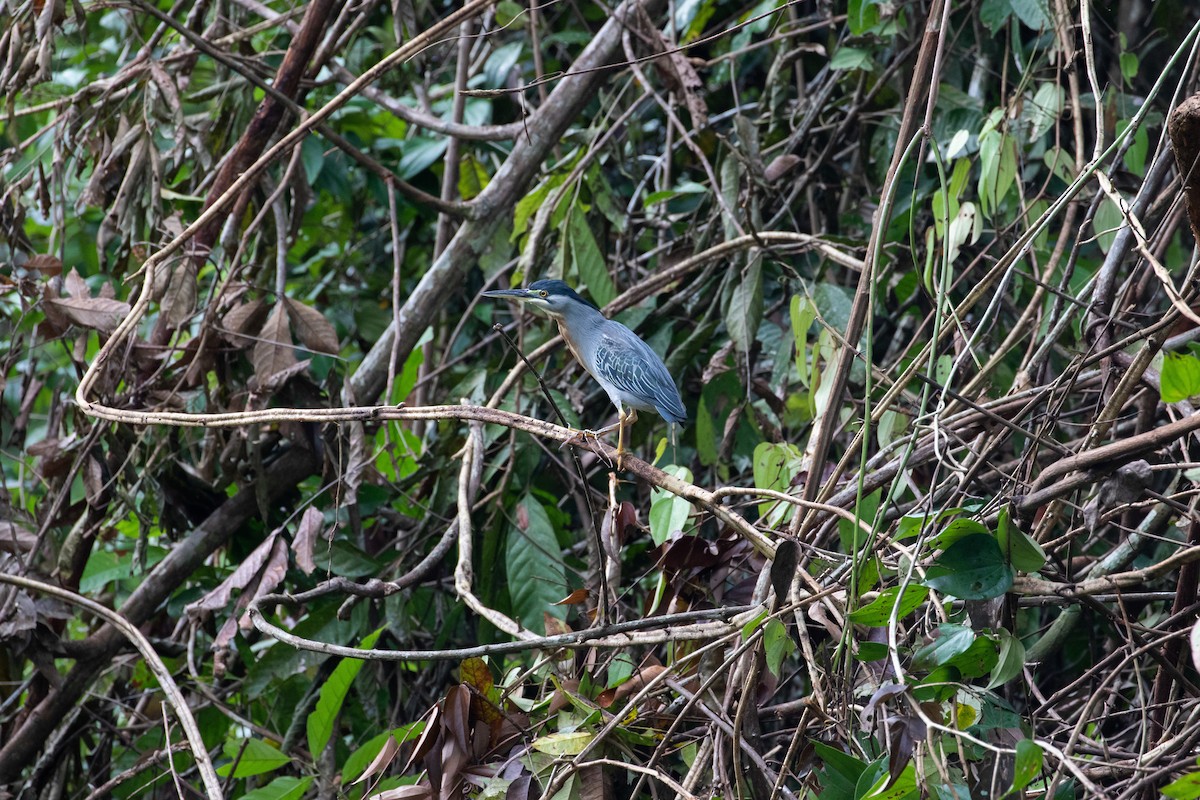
x=555, y=298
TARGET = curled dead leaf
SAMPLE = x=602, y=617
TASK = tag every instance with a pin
x=314, y=331
x=95, y=313
x=780, y=166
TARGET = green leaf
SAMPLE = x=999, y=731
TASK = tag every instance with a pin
x=1135, y=156
x=871, y=651
x=892, y=425
x=419, y=153
x=1107, y=223
x=877, y=613
x=841, y=772
x=977, y=660
x=321, y=719
x=957, y=529
x=848, y=58
x=668, y=512
x=1023, y=552
x=361, y=758
x=973, y=568
x=775, y=466
x=911, y=524
x=588, y=260
x=862, y=15
x=528, y=205
x=1033, y=14
x=750, y=627
x=280, y=789
x=744, y=314
x=1060, y=162
x=312, y=156
x=472, y=177
x=952, y=640
x=1011, y=659
x=256, y=757
x=851, y=534
x=1186, y=787
x=1180, y=377
x=563, y=744
x=1028, y=764
x=803, y=313
x=994, y=14
x=506, y=12
x=834, y=303
x=537, y=578
x=665, y=195
x=884, y=788
x=706, y=434
x=778, y=645
x=1129, y=65
x=620, y=669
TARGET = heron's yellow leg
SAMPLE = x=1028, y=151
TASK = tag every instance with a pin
x=621, y=419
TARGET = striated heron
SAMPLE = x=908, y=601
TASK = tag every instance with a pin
x=628, y=370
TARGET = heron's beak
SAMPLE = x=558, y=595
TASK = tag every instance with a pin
x=516, y=294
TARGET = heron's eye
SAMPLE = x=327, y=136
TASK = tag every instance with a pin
x=543, y=293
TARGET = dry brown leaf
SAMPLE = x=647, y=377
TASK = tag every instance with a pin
x=306, y=537
x=272, y=574
x=413, y=792
x=632, y=686
x=595, y=783
x=381, y=761
x=165, y=85
x=273, y=353
x=93, y=482
x=240, y=320
x=50, y=266
x=314, y=331
x=15, y=538
x=780, y=166
x=240, y=579
x=574, y=598
x=180, y=299
x=95, y=313
x=429, y=737
x=75, y=286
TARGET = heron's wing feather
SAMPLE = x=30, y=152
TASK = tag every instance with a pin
x=629, y=364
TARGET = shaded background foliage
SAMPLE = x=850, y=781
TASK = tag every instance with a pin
x=971, y=622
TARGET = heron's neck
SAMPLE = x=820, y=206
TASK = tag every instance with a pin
x=580, y=317
x=579, y=325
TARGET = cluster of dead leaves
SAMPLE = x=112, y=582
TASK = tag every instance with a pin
x=68, y=300
x=258, y=575
x=468, y=740
x=267, y=331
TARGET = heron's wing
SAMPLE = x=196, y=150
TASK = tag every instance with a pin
x=628, y=363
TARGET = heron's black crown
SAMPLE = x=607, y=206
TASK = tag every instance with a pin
x=559, y=289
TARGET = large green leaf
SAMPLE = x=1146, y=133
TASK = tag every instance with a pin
x=1023, y=552
x=744, y=313
x=952, y=641
x=1028, y=764
x=252, y=757
x=877, y=613
x=537, y=578
x=1180, y=377
x=320, y=722
x=777, y=644
x=973, y=568
x=588, y=260
x=669, y=512
x=284, y=788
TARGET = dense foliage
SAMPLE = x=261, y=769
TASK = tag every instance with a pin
x=286, y=513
